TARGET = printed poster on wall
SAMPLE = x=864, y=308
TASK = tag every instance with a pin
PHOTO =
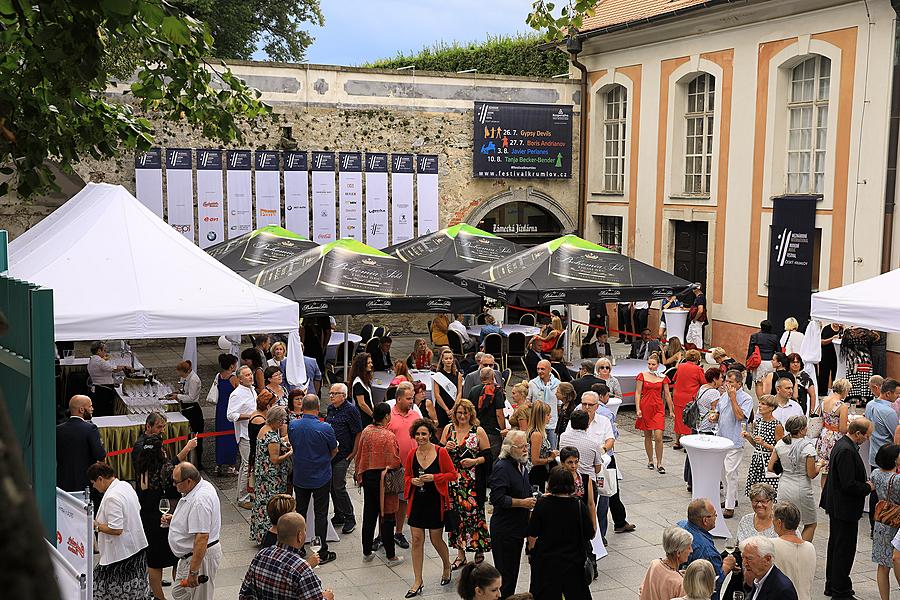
x=377, y=199
x=240, y=197
x=210, y=198
x=350, y=186
x=180, y=191
x=401, y=198
x=148, y=180
x=268, y=188
x=323, y=205
x=296, y=193
x=427, y=193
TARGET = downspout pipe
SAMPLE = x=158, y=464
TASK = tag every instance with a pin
x=574, y=45
x=890, y=191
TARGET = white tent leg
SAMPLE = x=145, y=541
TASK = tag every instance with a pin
x=571, y=327
x=190, y=351
x=346, y=345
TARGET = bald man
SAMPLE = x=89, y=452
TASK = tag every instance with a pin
x=543, y=389
x=78, y=446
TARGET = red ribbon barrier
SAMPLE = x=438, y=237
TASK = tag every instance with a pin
x=181, y=438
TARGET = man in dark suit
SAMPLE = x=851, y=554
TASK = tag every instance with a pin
x=645, y=346
x=586, y=378
x=845, y=493
x=597, y=311
x=381, y=358
x=533, y=357
x=78, y=446
x=512, y=501
x=769, y=583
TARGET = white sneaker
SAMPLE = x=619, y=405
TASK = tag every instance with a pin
x=393, y=562
x=368, y=557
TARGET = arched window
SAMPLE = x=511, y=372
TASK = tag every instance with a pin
x=700, y=118
x=615, y=112
x=808, y=126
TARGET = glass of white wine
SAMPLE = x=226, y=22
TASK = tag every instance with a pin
x=164, y=507
x=730, y=546
x=315, y=545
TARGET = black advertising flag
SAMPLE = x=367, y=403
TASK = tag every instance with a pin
x=791, y=258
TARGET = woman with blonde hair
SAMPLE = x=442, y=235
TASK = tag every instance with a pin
x=791, y=339
x=279, y=504
x=401, y=373
x=834, y=424
x=470, y=450
x=603, y=371
x=521, y=407
x=699, y=580
x=550, y=334
x=421, y=356
x=541, y=458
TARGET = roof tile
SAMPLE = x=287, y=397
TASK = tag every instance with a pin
x=617, y=12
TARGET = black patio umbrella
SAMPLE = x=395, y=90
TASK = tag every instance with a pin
x=455, y=249
x=570, y=270
x=260, y=247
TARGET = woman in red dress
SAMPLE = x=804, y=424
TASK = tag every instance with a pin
x=689, y=376
x=650, y=391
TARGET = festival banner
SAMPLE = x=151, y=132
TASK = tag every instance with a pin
x=350, y=186
x=296, y=193
x=323, y=220
x=377, y=199
x=75, y=533
x=268, y=188
x=210, y=198
x=148, y=180
x=791, y=258
x=240, y=196
x=401, y=198
x=180, y=190
x=427, y=193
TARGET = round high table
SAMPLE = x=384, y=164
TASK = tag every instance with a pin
x=382, y=379
x=676, y=323
x=707, y=454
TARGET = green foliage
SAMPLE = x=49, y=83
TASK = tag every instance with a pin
x=518, y=55
x=557, y=28
x=238, y=26
x=56, y=63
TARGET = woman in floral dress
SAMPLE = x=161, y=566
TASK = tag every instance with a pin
x=270, y=470
x=766, y=431
x=834, y=423
x=468, y=446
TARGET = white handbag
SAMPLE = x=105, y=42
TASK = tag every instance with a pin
x=607, y=480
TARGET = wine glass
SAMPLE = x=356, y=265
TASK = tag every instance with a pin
x=315, y=545
x=536, y=491
x=738, y=596
x=730, y=546
x=164, y=507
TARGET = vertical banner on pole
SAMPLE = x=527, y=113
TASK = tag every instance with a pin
x=401, y=198
x=323, y=220
x=791, y=258
x=148, y=180
x=427, y=193
x=268, y=188
x=240, y=198
x=350, y=185
x=180, y=190
x=296, y=193
x=210, y=198
x=377, y=199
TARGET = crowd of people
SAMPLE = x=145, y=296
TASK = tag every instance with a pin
x=476, y=473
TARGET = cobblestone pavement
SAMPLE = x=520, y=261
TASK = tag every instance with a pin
x=653, y=501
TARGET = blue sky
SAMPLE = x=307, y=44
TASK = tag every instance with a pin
x=358, y=31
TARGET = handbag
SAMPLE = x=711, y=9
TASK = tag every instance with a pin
x=886, y=512
x=607, y=482
x=394, y=482
x=451, y=520
x=588, y=563
x=755, y=358
x=814, y=426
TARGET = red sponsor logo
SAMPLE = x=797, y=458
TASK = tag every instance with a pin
x=267, y=212
x=209, y=204
x=211, y=219
x=76, y=548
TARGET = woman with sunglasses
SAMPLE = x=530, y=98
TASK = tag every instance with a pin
x=604, y=372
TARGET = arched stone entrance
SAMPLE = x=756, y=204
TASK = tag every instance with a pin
x=523, y=215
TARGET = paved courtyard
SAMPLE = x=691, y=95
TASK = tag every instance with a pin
x=653, y=501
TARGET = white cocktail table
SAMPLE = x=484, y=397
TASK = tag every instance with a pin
x=707, y=454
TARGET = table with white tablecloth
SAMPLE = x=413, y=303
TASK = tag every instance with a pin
x=707, y=454
x=528, y=330
x=336, y=339
x=625, y=371
x=381, y=380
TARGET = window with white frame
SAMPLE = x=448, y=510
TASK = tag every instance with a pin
x=699, y=122
x=611, y=232
x=808, y=126
x=615, y=112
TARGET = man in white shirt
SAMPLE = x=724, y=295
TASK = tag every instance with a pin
x=194, y=531
x=241, y=404
x=469, y=345
x=787, y=406
x=734, y=408
x=543, y=388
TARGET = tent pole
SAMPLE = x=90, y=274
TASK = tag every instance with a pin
x=346, y=345
x=569, y=333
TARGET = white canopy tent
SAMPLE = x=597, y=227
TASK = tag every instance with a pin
x=873, y=303
x=120, y=272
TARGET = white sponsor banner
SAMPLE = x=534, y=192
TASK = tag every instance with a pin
x=210, y=198
x=350, y=186
x=148, y=180
x=268, y=189
x=401, y=198
x=180, y=191
x=240, y=197
x=377, y=210
x=296, y=193
x=323, y=200
x=427, y=193
x=75, y=534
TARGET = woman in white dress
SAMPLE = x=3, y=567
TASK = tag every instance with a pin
x=794, y=556
x=791, y=339
x=797, y=454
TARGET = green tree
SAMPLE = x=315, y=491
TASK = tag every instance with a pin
x=241, y=27
x=58, y=58
x=571, y=15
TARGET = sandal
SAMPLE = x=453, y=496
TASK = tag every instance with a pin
x=479, y=558
x=459, y=563
x=650, y=466
x=661, y=470
x=677, y=447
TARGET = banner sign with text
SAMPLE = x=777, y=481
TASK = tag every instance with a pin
x=377, y=199
x=268, y=188
x=240, y=196
x=323, y=204
x=148, y=180
x=180, y=190
x=210, y=198
x=296, y=193
x=427, y=193
x=75, y=534
x=350, y=185
x=401, y=198
x=791, y=258
x=522, y=141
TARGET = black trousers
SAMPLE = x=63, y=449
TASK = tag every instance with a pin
x=104, y=400
x=371, y=484
x=320, y=498
x=592, y=331
x=641, y=316
x=194, y=414
x=625, y=324
x=839, y=559
x=616, y=508
x=507, y=553
x=553, y=581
